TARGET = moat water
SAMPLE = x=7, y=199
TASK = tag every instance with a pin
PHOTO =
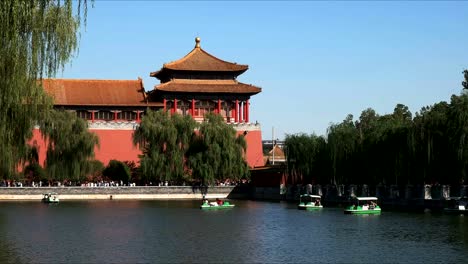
x=253, y=232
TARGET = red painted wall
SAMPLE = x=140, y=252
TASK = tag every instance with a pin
x=114, y=144
x=117, y=144
x=40, y=144
x=254, y=148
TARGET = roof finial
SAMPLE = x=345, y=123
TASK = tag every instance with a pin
x=197, y=42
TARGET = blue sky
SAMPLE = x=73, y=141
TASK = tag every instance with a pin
x=316, y=61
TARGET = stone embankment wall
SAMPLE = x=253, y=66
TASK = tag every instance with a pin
x=125, y=192
x=409, y=196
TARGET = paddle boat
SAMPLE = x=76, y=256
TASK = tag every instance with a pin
x=309, y=202
x=50, y=198
x=364, y=205
x=457, y=205
x=218, y=204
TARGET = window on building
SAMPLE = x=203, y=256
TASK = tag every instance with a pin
x=127, y=115
x=184, y=107
x=104, y=115
x=169, y=105
x=86, y=115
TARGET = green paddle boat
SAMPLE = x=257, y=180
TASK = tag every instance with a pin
x=50, y=198
x=457, y=205
x=309, y=202
x=219, y=204
x=364, y=205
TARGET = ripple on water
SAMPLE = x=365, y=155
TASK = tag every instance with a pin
x=253, y=232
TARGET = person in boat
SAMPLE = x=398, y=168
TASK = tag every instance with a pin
x=219, y=201
x=317, y=202
x=372, y=205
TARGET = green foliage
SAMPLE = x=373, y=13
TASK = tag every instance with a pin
x=94, y=173
x=135, y=171
x=117, y=171
x=34, y=172
x=216, y=153
x=164, y=139
x=32, y=154
x=458, y=133
x=305, y=159
x=465, y=82
x=173, y=151
x=395, y=148
x=70, y=146
x=37, y=38
x=342, y=139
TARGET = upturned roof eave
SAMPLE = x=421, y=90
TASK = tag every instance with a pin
x=109, y=104
x=156, y=89
x=166, y=70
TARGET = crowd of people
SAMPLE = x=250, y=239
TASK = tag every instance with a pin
x=103, y=183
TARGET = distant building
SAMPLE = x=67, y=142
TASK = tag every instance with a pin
x=273, y=152
x=274, y=171
x=194, y=85
x=275, y=156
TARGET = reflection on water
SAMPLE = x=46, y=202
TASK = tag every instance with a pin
x=253, y=232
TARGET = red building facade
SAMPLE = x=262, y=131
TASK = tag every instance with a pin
x=194, y=85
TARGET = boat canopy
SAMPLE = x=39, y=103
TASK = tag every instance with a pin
x=366, y=198
x=311, y=196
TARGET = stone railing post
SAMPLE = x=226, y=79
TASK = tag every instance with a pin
x=318, y=190
x=352, y=190
x=394, y=192
x=446, y=191
x=340, y=190
x=427, y=192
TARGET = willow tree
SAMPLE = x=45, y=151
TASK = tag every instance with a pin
x=465, y=82
x=392, y=147
x=164, y=140
x=304, y=154
x=367, y=149
x=217, y=153
x=458, y=127
x=70, y=147
x=37, y=38
x=342, y=140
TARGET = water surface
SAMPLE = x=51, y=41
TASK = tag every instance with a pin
x=253, y=232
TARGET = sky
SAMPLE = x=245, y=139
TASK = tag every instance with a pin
x=316, y=61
